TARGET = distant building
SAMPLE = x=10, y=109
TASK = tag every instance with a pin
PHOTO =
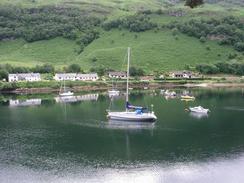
x=24, y=77
x=76, y=77
x=181, y=74
x=117, y=74
x=161, y=76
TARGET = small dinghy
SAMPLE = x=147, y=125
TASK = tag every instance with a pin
x=113, y=93
x=187, y=97
x=199, y=109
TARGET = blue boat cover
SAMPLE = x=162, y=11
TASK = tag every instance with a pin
x=129, y=106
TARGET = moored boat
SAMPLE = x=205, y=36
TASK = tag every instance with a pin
x=186, y=97
x=199, y=109
x=132, y=113
x=64, y=93
x=113, y=92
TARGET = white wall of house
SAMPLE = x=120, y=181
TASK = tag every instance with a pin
x=180, y=75
x=117, y=75
x=76, y=77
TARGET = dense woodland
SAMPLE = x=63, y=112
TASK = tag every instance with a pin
x=227, y=30
x=136, y=23
x=221, y=67
x=44, y=23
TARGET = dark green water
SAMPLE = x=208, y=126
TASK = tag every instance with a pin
x=73, y=142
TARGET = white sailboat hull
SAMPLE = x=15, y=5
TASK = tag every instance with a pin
x=66, y=94
x=132, y=116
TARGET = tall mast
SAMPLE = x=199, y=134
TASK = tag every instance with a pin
x=128, y=73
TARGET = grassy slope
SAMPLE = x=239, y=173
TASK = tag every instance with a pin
x=56, y=51
x=151, y=51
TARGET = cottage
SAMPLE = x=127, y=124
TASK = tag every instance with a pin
x=24, y=77
x=117, y=74
x=87, y=77
x=181, y=74
x=76, y=77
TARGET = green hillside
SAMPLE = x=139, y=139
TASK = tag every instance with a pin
x=150, y=51
x=156, y=49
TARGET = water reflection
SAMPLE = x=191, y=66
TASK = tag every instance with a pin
x=71, y=99
x=117, y=124
x=40, y=144
x=27, y=102
x=198, y=115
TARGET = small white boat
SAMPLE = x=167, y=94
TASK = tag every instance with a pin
x=199, y=109
x=113, y=92
x=64, y=93
x=169, y=93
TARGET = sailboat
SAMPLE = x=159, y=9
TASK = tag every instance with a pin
x=64, y=93
x=132, y=113
x=113, y=92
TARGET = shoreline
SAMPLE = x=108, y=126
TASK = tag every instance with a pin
x=102, y=86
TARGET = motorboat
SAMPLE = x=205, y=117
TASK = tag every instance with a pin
x=199, y=109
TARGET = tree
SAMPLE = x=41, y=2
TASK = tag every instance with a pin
x=99, y=70
x=3, y=74
x=193, y=3
x=136, y=71
x=239, y=46
x=46, y=68
x=202, y=39
x=207, y=69
x=74, y=68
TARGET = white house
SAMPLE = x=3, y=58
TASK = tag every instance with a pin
x=181, y=74
x=24, y=77
x=117, y=74
x=76, y=77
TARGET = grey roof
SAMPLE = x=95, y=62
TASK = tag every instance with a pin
x=87, y=75
x=182, y=72
x=65, y=74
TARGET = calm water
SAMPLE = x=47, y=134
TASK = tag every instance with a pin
x=45, y=139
